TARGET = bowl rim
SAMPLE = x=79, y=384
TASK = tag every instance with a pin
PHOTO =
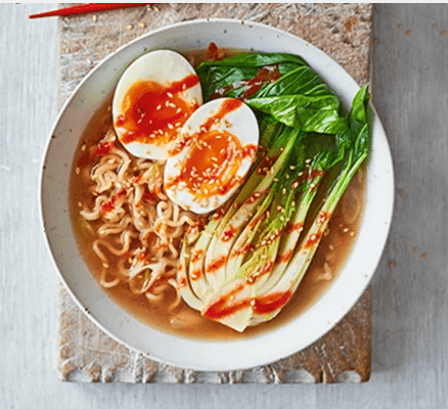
x=332, y=322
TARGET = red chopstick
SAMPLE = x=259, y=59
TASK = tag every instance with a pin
x=86, y=8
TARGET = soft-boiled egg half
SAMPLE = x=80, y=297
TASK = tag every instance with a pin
x=212, y=156
x=153, y=99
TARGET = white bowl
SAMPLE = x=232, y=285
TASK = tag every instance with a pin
x=189, y=353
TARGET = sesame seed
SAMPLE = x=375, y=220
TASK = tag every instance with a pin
x=105, y=265
x=83, y=147
x=159, y=107
x=331, y=247
x=345, y=230
x=77, y=170
x=95, y=18
x=308, y=161
x=142, y=24
x=79, y=204
x=292, y=167
x=275, y=179
x=170, y=126
x=252, y=303
x=352, y=233
x=129, y=27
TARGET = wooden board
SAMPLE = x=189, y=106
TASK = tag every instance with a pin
x=85, y=353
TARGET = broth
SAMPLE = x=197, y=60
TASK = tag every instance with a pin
x=183, y=320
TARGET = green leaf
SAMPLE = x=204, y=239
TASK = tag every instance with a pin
x=358, y=114
x=255, y=60
x=302, y=80
x=311, y=114
x=229, y=77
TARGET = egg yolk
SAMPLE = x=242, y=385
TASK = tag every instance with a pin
x=211, y=164
x=153, y=113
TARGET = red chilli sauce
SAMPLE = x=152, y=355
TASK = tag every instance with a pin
x=261, y=305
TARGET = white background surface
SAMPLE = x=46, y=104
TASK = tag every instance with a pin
x=410, y=303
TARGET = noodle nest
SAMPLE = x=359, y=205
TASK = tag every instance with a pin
x=138, y=230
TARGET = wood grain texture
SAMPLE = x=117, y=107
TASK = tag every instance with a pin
x=410, y=303
x=85, y=353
